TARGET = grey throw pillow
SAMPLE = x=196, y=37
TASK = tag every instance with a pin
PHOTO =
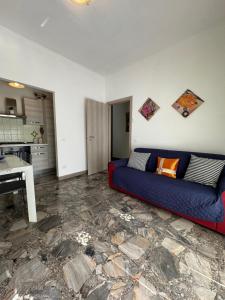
x=138, y=160
x=204, y=170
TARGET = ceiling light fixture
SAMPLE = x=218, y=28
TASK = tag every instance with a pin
x=16, y=85
x=81, y=2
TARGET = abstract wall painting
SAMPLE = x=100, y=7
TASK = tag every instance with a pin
x=187, y=103
x=148, y=109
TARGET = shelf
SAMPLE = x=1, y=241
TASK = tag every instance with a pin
x=11, y=116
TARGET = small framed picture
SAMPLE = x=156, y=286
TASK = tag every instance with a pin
x=187, y=103
x=148, y=109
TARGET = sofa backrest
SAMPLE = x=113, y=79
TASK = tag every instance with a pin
x=182, y=155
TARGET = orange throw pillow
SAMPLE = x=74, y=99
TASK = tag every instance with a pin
x=167, y=166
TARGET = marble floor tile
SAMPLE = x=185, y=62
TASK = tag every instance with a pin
x=95, y=243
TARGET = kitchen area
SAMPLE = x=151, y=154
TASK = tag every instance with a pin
x=27, y=126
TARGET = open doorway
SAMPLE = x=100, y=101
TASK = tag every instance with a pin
x=27, y=126
x=121, y=128
x=108, y=132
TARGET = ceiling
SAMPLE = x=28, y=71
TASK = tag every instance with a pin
x=109, y=34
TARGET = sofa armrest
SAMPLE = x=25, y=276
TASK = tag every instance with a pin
x=119, y=163
x=221, y=187
x=112, y=166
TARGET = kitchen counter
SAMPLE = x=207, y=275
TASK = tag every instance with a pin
x=21, y=145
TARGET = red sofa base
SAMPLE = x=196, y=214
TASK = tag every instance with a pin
x=218, y=227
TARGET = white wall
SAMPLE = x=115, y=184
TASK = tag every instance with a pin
x=198, y=64
x=29, y=63
x=120, y=138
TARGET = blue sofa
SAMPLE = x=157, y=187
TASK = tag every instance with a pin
x=199, y=203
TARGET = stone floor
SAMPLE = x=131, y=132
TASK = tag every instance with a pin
x=94, y=243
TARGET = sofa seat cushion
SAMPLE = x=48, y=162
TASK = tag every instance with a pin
x=188, y=198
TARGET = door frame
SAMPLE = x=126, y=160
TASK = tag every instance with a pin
x=119, y=101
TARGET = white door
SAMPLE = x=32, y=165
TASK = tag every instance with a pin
x=97, y=119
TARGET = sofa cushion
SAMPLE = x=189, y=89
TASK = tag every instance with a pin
x=204, y=170
x=167, y=166
x=138, y=160
x=155, y=153
x=180, y=196
x=182, y=155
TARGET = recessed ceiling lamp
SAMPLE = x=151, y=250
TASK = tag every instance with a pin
x=16, y=85
x=81, y=2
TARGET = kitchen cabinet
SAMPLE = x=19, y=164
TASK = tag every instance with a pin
x=33, y=110
x=50, y=132
x=41, y=112
x=39, y=158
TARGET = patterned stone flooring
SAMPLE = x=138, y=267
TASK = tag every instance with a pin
x=94, y=243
